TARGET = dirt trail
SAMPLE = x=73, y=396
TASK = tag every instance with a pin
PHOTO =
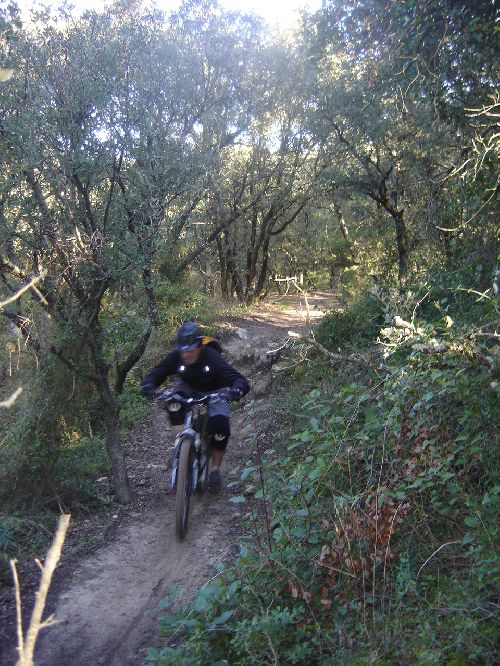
x=107, y=601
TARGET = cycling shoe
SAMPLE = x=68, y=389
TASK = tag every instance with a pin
x=214, y=481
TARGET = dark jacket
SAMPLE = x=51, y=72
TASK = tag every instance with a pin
x=209, y=373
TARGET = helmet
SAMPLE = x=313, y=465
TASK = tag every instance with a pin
x=189, y=336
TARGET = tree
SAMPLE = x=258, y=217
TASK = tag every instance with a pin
x=265, y=182
x=394, y=92
x=109, y=126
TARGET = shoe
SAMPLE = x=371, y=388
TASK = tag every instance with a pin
x=214, y=481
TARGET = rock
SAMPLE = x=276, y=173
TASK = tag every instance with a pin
x=263, y=361
x=262, y=386
x=242, y=333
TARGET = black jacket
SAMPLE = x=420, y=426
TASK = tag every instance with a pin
x=209, y=373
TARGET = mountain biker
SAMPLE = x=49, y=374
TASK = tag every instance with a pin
x=200, y=369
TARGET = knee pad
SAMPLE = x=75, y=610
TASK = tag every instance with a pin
x=218, y=431
x=176, y=413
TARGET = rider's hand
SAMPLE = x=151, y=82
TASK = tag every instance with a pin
x=230, y=394
x=150, y=391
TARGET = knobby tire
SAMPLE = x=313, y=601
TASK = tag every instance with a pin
x=203, y=481
x=184, y=490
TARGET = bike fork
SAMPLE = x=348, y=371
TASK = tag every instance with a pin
x=175, y=461
x=175, y=465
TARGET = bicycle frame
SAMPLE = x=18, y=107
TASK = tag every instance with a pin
x=195, y=415
x=191, y=462
x=194, y=428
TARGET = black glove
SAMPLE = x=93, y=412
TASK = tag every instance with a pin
x=230, y=394
x=149, y=390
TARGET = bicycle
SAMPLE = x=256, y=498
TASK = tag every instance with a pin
x=191, y=461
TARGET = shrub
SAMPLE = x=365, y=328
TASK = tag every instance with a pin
x=375, y=532
x=358, y=325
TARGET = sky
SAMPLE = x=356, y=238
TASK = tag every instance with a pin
x=280, y=13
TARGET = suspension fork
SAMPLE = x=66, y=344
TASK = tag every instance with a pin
x=186, y=431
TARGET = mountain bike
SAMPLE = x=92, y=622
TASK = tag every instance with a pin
x=191, y=461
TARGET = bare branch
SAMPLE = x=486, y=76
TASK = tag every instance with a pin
x=339, y=358
x=124, y=368
x=26, y=647
x=10, y=401
x=450, y=543
x=31, y=284
x=19, y=615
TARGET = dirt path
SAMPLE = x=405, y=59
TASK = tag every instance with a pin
x=107, y=600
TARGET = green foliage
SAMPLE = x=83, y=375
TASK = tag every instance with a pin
x=463, y=293
x=57, y=413
x=376, y=524
x=360, y=324
x=317, y=279
x=179, y=302
x=222, y=632
x=10, y=529
x=82, y=461
x=19, y=534
x=133, y=407
x=375, y=534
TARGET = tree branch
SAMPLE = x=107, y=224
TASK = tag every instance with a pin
x=340, y=358
x=195, y=253
x=21, y=291
x=10, y=401
x=26, y=648
x=124, y=368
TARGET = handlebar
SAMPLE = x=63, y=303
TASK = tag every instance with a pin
x=171, y=396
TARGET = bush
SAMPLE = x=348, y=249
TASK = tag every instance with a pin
x=358, y=325
x=19, y=534
x=133, y=406
x=375, y=534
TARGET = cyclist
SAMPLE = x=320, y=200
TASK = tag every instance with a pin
x=200, y=369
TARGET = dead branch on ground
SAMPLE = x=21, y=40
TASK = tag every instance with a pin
x=340, y=358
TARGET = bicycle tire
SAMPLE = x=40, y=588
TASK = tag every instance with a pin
x=184, y=486
x=203, y=482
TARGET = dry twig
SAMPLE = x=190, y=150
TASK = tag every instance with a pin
x=340, y=358
x=444, y=545
x=26, y=647
x=10, y=401
x=31, y=285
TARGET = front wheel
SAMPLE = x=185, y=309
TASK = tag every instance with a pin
x=184, y=486
x=205, y=471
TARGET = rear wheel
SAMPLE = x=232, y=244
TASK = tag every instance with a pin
x=184, y=486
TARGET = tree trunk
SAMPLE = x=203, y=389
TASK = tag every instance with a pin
x=224, y=277
x=115, y=452
x=333, y=276
x=261, y=282
x=343, y=228
x=111, y=409
x=388, y=202
x=233, y=271
x=402, y=245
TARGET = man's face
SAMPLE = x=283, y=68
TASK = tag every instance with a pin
x=190, y=357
